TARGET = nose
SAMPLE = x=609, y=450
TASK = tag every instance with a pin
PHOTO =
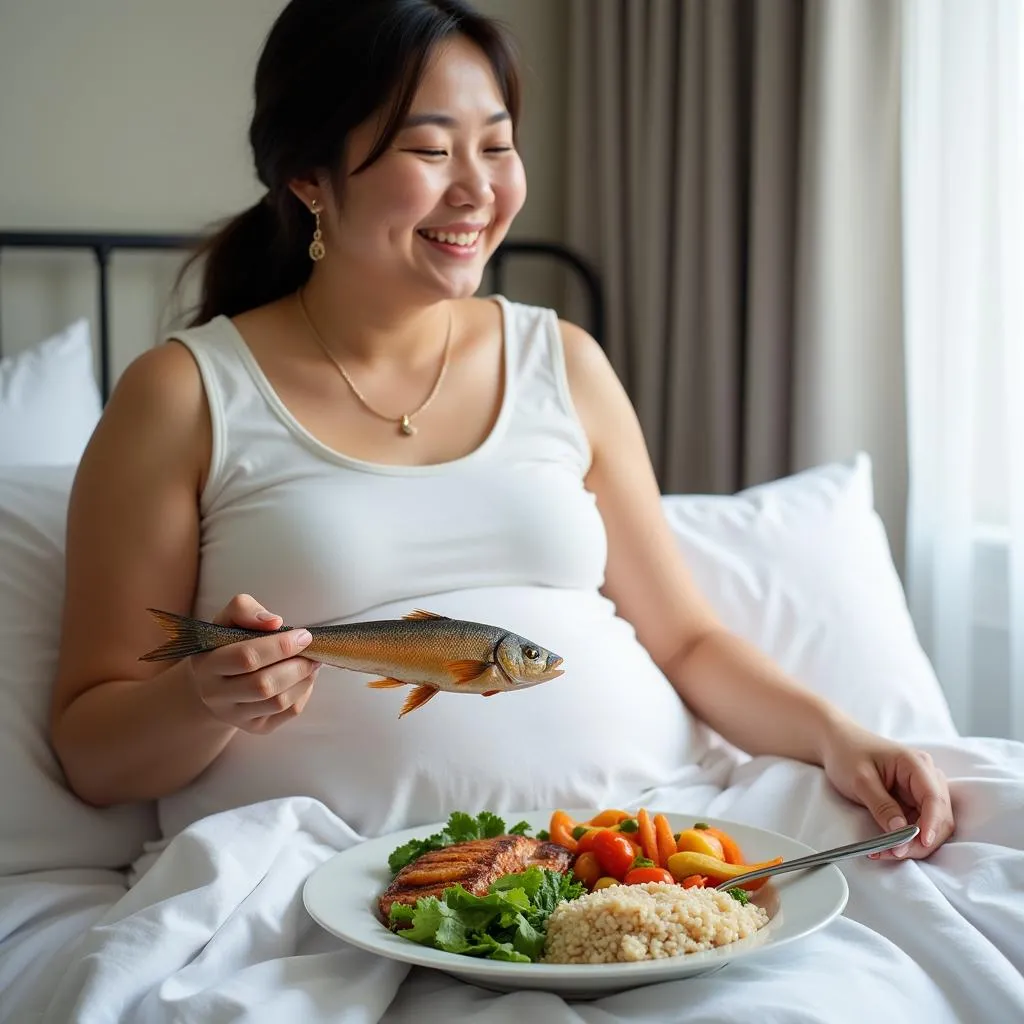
x=554, y=661
x=471, y=185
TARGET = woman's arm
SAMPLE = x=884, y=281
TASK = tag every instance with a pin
x=124, y=729
x=128, y=730
x=727, y=682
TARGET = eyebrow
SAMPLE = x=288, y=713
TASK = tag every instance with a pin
x=446, y=121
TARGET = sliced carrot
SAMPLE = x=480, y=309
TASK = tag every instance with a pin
x=648, y=840
x=665, y=840
x=730, y=848
x=560, y=830
x=694, y=882
x=608, y=818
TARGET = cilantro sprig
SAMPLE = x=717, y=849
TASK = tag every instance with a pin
x=461, y=827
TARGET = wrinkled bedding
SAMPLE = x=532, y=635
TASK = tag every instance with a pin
x=215, y=930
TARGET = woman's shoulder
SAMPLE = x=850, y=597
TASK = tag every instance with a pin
x=161, y=376
x=158, y=394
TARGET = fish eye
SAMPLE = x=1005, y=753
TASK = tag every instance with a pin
x=531, y=653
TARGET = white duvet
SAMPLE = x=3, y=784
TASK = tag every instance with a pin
x=215, y=929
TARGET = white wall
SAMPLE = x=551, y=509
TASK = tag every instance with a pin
x=132, y=115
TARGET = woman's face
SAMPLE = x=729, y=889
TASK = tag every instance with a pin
x=430, y=211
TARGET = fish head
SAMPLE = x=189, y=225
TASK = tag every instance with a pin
x=525, y=663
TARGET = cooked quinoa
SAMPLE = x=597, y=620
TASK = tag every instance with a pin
x=646, y=922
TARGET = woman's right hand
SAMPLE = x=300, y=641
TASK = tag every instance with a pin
x=257, y=684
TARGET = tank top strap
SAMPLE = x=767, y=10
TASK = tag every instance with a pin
x=544, y=415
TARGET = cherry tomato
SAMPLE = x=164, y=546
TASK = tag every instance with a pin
x=586, y=842
x=587, y=869
x=640, y=875
x=615, y=853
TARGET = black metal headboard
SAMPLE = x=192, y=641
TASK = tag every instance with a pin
x=104, y=244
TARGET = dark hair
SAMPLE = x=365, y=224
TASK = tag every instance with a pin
x=326, y=66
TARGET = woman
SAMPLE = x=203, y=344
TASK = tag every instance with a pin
x=346, y=432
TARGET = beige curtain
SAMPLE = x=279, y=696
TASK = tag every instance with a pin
x=734, y=174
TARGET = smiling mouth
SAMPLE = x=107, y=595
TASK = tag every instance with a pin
x=456, y=239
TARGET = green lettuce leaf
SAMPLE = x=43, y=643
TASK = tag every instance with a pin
x=509, y=923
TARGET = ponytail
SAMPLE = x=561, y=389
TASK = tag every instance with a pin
x=255, y=258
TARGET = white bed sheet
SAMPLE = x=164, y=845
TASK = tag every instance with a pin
x=215, y=929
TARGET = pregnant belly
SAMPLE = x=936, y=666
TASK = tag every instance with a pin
x=610, y=728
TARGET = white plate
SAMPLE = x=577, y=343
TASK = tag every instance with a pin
x=341, y=896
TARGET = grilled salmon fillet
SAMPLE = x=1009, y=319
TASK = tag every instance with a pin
x=474, y=864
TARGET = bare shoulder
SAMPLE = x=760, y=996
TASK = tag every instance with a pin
x=166, y=375
x=600, y=399
x=159, y=402
x=586, y=363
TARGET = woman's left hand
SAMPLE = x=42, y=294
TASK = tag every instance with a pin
x=898, y=785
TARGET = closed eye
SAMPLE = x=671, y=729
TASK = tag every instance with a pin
x=444, y=152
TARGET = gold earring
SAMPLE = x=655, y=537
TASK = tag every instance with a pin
x=316, y=247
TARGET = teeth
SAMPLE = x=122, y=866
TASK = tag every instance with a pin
x=451, y=238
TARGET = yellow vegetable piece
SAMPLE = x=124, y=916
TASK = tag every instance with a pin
x=604, y=882
x=696, y=840
x=682, y=865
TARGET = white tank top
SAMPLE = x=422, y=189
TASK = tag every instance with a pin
x=507, y=535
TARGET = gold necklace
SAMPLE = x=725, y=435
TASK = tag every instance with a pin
x=405, y=420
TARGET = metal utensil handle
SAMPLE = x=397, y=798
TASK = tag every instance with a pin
x=886, y=841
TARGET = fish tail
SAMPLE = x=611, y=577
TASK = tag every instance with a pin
x=189, y=636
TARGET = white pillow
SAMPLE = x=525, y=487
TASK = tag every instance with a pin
x=42, y=825
x=49, y=401
x=801, y=567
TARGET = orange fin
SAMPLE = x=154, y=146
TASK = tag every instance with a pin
x=419, y=613
x=489, y=693
x=466, y=671
x=417, y=698
x=385, y=684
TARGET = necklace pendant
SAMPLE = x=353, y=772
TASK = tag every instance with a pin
x=406, y=427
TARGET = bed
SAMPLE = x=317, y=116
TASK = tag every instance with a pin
x=100, y=921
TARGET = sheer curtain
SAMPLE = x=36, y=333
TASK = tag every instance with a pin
x=963, y=176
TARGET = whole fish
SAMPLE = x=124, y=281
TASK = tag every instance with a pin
x=427, y=651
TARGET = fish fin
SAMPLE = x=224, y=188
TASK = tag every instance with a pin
x=489, y=693
x=191, y=636
x=417, y=698
x=467, y=671
x=385, y=684
x=419, y=613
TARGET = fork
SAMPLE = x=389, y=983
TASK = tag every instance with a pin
x=885, y=841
